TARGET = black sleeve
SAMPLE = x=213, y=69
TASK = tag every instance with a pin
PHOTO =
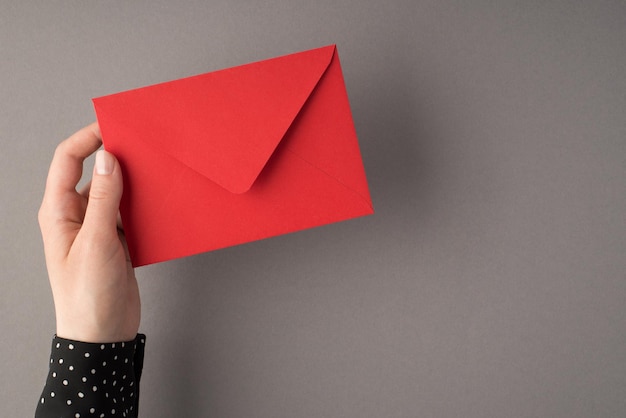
x=92, y=380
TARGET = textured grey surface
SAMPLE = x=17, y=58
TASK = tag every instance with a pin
x=491, y=281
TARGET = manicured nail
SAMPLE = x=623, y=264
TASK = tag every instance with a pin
x=104, y=163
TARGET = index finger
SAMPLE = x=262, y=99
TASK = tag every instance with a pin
x=66, y=168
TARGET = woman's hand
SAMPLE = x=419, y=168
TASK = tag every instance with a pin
x=94, y=287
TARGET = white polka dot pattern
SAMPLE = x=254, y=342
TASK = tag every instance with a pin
x=92, y=380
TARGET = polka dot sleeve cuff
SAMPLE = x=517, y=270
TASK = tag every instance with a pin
x=92, y=380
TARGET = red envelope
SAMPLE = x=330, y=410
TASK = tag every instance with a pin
x=235, y=155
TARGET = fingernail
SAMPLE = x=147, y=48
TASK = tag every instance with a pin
x=104, y=163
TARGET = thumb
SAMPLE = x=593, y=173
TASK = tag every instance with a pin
x=104, y=196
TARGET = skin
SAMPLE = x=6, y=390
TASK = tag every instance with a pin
x=95, y=291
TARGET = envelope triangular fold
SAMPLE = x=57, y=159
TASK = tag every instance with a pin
x=242, y=112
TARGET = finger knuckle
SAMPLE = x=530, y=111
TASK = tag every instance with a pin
x=43, y=214
x=98, y=193
x=61, y=148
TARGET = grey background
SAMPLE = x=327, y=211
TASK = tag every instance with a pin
x=489, y=283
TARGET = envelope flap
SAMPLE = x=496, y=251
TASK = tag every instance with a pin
x=224, y=124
